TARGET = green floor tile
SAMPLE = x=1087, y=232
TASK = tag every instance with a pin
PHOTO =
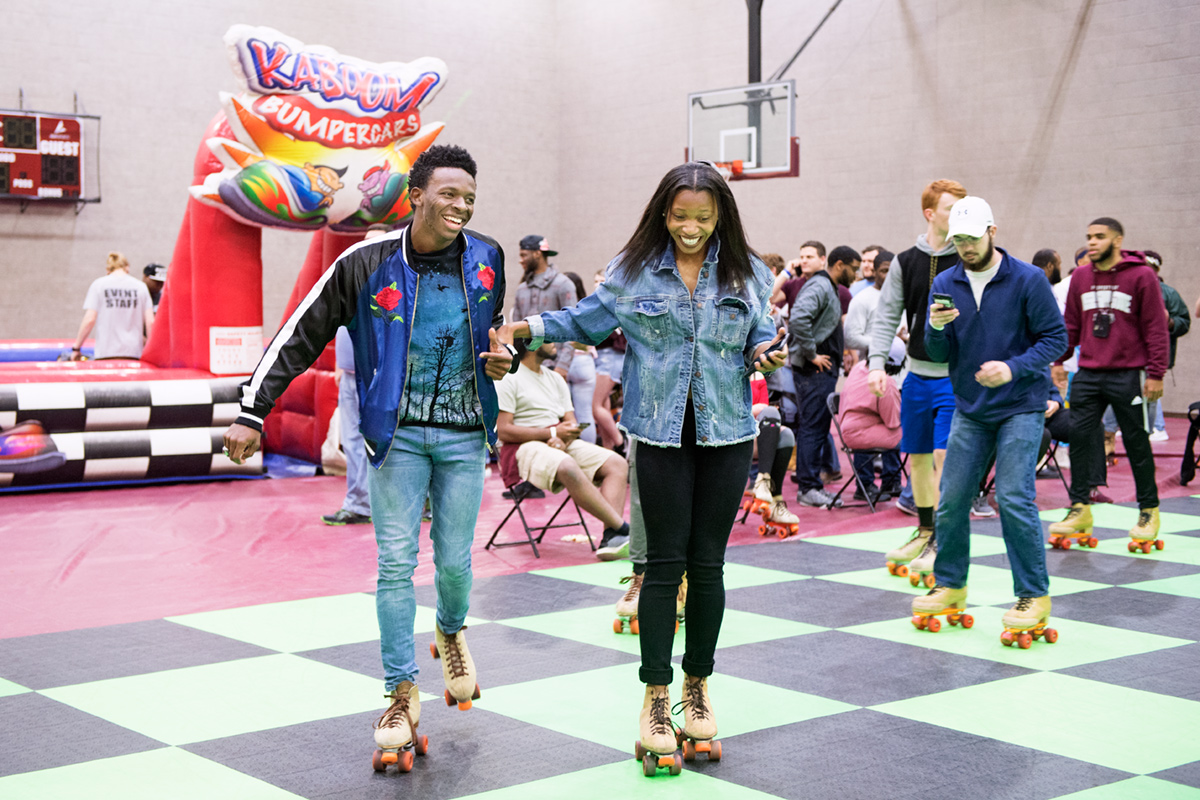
x=1078, y=643
x=1140, y=788
x=9, y=688
x=624, y=780
x=988, y=585
x=603, y=705
x=1123, y=518
x=158, y=774
x=609, y=574
x=1069, y=716
x=1182, y=585
x=194, y=704
x=594, y=626
x=299, y=625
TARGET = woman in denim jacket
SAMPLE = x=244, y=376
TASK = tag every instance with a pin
x=693, y=301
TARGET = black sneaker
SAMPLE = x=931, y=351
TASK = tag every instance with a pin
x=523, y=491
x=872, y=492
x=344, y=517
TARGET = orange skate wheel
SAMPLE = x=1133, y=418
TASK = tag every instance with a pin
x=934, y=624
x=377, y=762
x=902, y=570
x=1024, y=640
x=891, y=567
x=689, y=751
x=676, y=764
x=422, y=745
x=714, y=753
x=1065, y=543
x=918, y=621
x=762, y=530
x=433, y=651
x=677, y=626
x=1051, y=635
x=618, y=626
x=967, y=620
x=406, y=761
x=929, y=581
x=1006, y=638
x=1146, y=547
x=914, y=578
x=633, y=626
x=1159, y=544
x=1093, y=542
x=1133, y=547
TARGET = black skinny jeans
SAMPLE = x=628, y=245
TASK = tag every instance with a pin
x=690, y=497
x=1091, y=391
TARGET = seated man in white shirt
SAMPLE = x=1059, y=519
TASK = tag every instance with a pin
x=536, y=414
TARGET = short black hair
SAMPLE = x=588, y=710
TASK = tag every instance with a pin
x=845, y=254
x=1044, y=258
x=883, y=256
x=440, y=155
x=814, y=244
x=1109, y=223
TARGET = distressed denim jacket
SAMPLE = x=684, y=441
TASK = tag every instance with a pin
x=702, y=343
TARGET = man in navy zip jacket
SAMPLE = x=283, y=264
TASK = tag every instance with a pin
x=999, y=334
x=421, y=306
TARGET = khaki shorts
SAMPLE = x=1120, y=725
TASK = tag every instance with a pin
x=538, y=462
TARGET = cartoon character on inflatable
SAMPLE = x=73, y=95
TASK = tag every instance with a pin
x=314, y=141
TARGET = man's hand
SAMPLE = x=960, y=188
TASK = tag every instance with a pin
x=241, y=442
x=768, y=364
x=1154, y=389
x=514, y=330
x=567, y=432
x=849, y=359
x=940, y=317
x=822, y=362
x=1058, y=376
x=993, y=373
x=1052, y=407
x=497, y=357
x=877, y=382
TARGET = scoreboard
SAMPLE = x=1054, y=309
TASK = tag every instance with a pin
x=41, y=156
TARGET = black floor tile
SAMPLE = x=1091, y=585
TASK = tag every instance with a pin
x=469, y=752
x=831, y=664
x=523, y=595
x=52, y=734
x=114, y=651
x=820, y=602
x=1170, y=671
x=1187, y=774
x=865, y=755
x=802, y=557
x=1152, y=612
x=1099, y=566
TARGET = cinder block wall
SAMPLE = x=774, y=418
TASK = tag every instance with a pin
x=1056, y=112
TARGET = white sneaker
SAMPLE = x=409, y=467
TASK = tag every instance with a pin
x=817, y=498
x=980, y=507
x=1159, y=436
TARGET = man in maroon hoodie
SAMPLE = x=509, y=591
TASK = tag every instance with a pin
x=1115, y=314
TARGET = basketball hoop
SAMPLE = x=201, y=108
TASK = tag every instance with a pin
x=730, y=170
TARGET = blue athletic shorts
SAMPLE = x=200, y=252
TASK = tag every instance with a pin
x=926, y=408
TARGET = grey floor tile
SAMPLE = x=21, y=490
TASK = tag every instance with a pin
x=1152, y=612
x=1187, y=774
x=510, y=596
x=802, y=557
x=819, y=602
x=1172, y=671
x=1100, y=565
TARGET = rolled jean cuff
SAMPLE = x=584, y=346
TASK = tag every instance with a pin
x=653, y=677
x=694, y=670
x=537, y=332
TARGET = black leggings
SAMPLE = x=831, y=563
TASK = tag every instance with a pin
x=775, y=446
x=690, y=497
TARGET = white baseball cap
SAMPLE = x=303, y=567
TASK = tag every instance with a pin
x=970, y=216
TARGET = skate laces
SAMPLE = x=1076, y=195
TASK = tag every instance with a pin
x=635, y=586
x=397, y=712
x=452, y=653
x=660, y=719
x=693, y=692
x=1144, y=519
x=1024, y=604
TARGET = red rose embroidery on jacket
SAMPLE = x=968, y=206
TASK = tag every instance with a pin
x=384, y=303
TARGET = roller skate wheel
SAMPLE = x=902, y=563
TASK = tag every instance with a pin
x=1006, y=638
x=918, y=621
x=1133, y=547
x=433, y=651
x=934, y=625
x=902, y=570
x=677, y=626
x=714, y=753
x=1052, y=541
x=1159, y=544
x=1051, y=635
x=477, y=693
x=639, y=752
x=762, y=530
x=422, y=745
x=676, y=764
x=1024, y=640
x=892, y=567
x=1146, y=547
x=1065, y=544
x=377, y=762
x=913, y=579
x=689, y=751
x=618, y=626
x=649, y=765
x=929, y=581
x=967, y=620
x=633, y=627
x=1093, y=542
x=405, y=764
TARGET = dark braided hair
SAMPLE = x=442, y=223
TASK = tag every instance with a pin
x=440, y=155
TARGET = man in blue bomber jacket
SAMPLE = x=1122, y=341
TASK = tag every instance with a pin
x=995, y=320
x=421, y=305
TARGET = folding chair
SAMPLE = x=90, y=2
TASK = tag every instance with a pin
x=833, y=403
x=510, y=478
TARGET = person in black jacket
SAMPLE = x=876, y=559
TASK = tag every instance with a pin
x=421, y=305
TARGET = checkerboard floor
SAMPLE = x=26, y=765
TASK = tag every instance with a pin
x=823, y=689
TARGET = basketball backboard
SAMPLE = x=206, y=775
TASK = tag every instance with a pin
x=749, y=131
